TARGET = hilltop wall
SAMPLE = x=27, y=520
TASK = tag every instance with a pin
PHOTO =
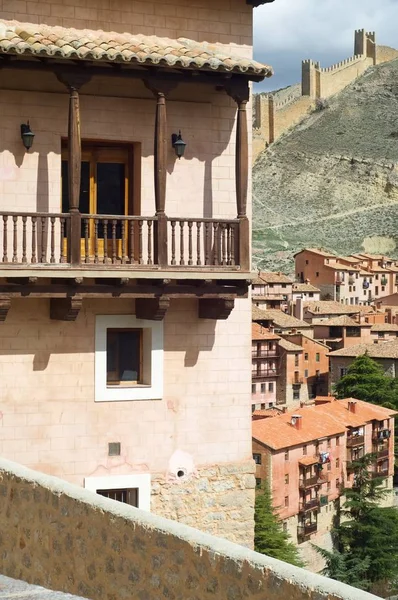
x=276, y=113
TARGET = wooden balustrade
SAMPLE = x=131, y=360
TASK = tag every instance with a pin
x=45, y=238
x=33, y=237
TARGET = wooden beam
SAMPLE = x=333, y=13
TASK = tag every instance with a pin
x=153, y=309
x=218, y=308
x=5, y=305
x=65, y=309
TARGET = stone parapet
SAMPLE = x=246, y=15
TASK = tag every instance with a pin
x=66, y=538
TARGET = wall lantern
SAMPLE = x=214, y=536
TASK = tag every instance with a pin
x=27, y=135
x=178, y=144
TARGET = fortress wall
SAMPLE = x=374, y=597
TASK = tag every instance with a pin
x=336, y=78
x=291, y=114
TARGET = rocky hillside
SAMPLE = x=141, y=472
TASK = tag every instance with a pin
x=333, y=180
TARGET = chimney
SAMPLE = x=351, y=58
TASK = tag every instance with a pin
x=271, y=328
x=297, y=421
x=352, y=406
x=299, y=311
x=307, y=280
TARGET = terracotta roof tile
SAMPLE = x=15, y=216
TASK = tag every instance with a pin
x=324, y=420
x=384, y=327
x=317, y=251
x=262, y=333
x=341, y=321
x=304, y=287
x=274, y=277
x=329, y=307
x=278, y=317
x=381, y=350
x=32, y=39
x=289, y=346
x=265, y=413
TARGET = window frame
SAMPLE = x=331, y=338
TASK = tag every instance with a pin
x=153, y=354
x=127, y=383
x=139, y=481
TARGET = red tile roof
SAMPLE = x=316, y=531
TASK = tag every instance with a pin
x=262, y=333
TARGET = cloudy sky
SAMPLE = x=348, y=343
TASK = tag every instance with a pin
x=287, y=31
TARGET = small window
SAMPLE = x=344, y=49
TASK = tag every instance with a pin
x=306, y=262
x=337, y=483
x=127, y=496
x=343, y=371
x=317, y=357
x=317, y=274
x=284, y=526
x=263, y=406
x=296, y=360
x=257, y=459
x=123, y=356
x=258, y=482
x=306, y=373
x=329, y=442
x=253, y=388
x=253, y=407
x=296, y=394
x=287, y=455
x=263, y=388
x=383, y=288
x=381, y=334
x=286, y=500
x=306, y=356
x=271, y=386
x=376, y=277
x=304, y=450
x=337, y=463
x=311, y=294
x=283, y=285
x=317, y=374
x=337, y=441
x=286, y=478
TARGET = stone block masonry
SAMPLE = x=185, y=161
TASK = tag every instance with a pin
x=65, y=538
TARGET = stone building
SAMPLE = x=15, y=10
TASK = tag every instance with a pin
x=272, y=290
x=306, y=454
x=385, y=353
x=126, y=251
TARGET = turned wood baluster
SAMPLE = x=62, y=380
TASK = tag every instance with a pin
x=233, y=244
x=223, y=245
x=229, y=244
x=96, y=241
x=198, y=261
x=182, y=223
x=5, y=242
x=215, y=244
x=207, y=243
x=124, y=243
x=105, y=225
x=15, y=240
x=173, y=242
x=149, y=242
x=86, y=240
x=131, y=228
x=190, y=261
x=114, y=241
x=34, y=239
x=24, y=258
x=52, y=240
x=140, y=259
x=43, y=254
x=61, y=242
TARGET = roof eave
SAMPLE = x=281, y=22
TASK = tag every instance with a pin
x=255, y=3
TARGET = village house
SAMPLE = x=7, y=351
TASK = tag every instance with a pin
x=305, y=455
x=384, y=331
x=280, y=321
x=342, y=331
x=318, y=312
x=305, y=292
x=125, y=256
x=265, y=367
x=314, y=366
x=272, y=290
x=385, y=353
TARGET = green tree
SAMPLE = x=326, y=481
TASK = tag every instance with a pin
x=366, y=538
x=366, y=381
x=269, y=537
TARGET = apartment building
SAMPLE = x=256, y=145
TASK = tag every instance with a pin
x=316, y=312
x=305, y=292
x=314, y=371
x=265, y=367
x=305, y=455
x=357, y=279
x=126, y=250
x=385, y=353
x=272, y=290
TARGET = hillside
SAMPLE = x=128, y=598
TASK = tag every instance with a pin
x=332, y=181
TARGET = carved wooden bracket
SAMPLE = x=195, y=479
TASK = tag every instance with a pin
x=73, y=80
x=5, y=305
x=238, y=89
x=153, y=309
x=65, y=309
x=216, y=308
x=159, y=86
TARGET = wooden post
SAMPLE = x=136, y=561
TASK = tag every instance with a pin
x=74, y=159
x=160, y=89
x=239, y=91
x=74, y=83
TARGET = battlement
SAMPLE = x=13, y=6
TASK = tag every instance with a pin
x=276, y=113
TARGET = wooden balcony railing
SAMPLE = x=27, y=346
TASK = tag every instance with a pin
x=305, y=530
x=309, y=481
x=355, y=440
x=380, y=454
x=103, y=240
x=305, y=505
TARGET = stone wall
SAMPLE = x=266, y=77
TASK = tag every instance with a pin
x=60, y=536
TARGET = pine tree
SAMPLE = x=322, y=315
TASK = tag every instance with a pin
x=269, y=537
x=366, y=540
x=366, y=381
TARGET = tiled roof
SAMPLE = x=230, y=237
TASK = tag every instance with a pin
x=44, y=41
x=384, y=327
x=278, y=317
x=262, y=333
x=289, y=346
x=329, y=307
x=350, y=259
x=265, y=413
x=382, y=350
x=324, y=420
x=274, y=277
x=341, y=321
x=317, y=251
x=304, y=287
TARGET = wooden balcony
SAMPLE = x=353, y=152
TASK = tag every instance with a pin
x=380, y=473
x=265, y=374
x=309, y=482
x=355, y=440
x=380, y=454
x=306, y=505
x=303, y=531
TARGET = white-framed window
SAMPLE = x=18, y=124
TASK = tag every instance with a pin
x=128, y=358
x=125, y=488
